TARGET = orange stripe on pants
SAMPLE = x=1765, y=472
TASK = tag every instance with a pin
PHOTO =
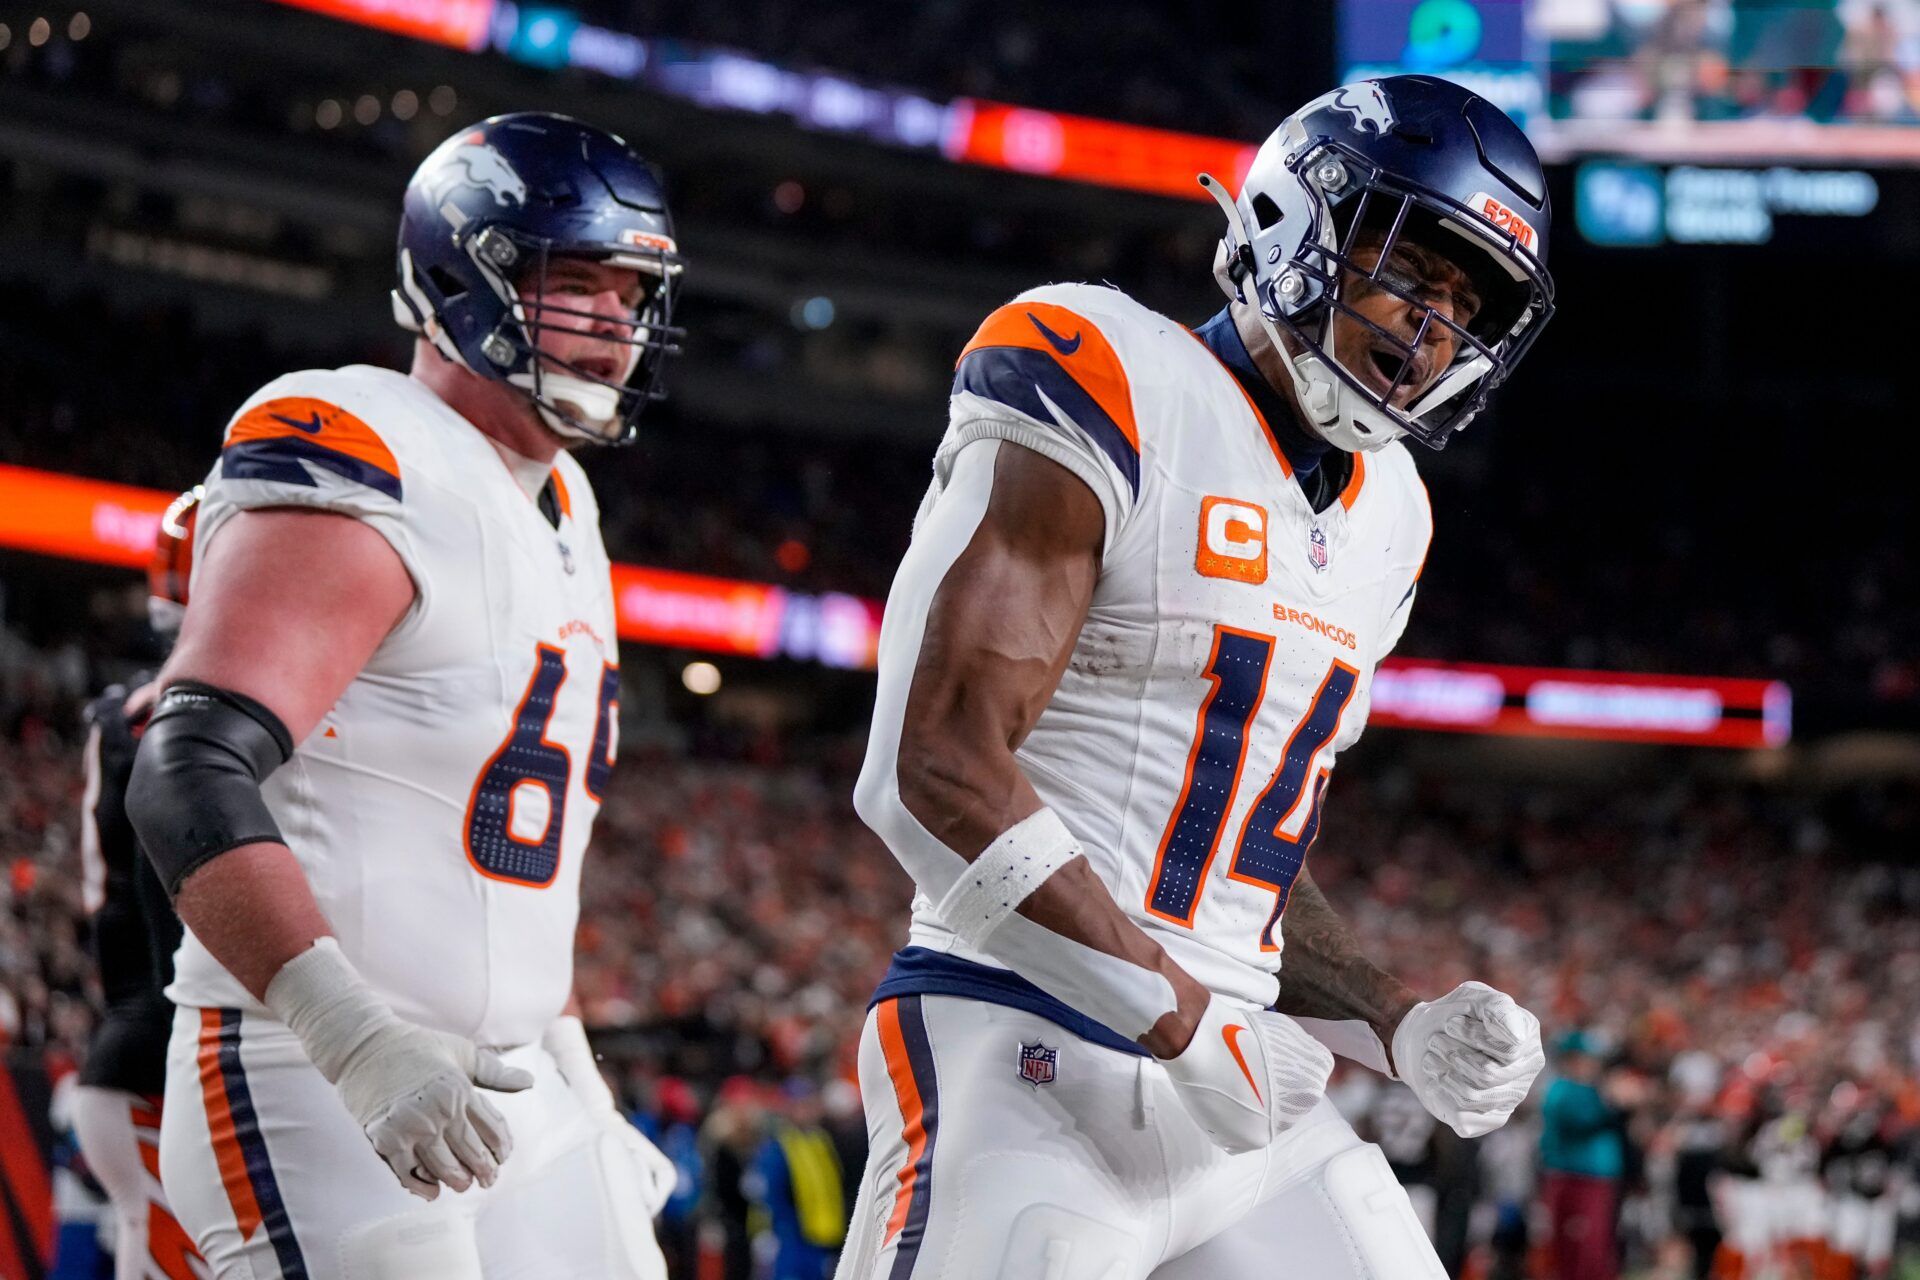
x=226, y=1142
x=912, y=1111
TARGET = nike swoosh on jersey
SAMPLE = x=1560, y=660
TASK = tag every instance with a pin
x=311, y=426
x=1065, y=346
x=1231, y=1034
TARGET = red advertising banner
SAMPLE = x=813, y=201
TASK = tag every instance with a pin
x=1550, y=702
x=464, y=24
x=1084, y=149
x=725, y=615
x=78, y=519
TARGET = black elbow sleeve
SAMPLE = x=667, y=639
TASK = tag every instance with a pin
x=195, y=789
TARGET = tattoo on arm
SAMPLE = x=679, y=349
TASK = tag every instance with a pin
x=1325, y=976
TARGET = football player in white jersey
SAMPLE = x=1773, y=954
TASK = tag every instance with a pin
x=380, y=744
x=1139, y=618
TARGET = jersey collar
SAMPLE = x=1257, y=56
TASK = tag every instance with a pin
x=1301, y=454
x=1304, y=453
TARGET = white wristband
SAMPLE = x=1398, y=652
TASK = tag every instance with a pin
x=1005, y=874
x=326, y=1003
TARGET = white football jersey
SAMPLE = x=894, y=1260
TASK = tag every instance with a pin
x=1230, y=646
x=441, y=808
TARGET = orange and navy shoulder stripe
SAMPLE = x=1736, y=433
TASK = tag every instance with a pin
x=280, y=439
x=239, y=1145
x=1027, y=353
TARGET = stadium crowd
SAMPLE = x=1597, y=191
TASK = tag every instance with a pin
x=1740, y=964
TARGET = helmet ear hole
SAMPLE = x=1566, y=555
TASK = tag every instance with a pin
x=1265, y=211
x=449, y=285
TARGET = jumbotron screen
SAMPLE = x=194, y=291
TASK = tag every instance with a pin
x=1821, y=81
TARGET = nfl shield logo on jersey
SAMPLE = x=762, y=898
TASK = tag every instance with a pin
x=1317, y=548
x=1038, y=1064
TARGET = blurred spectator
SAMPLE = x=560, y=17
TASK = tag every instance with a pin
x=736, y=915
x=674, y=1127
x=1583, y=1156
x=729, y=1141
x=799, y=1182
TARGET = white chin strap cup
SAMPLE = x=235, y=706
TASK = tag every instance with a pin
x=591, y=403
x=1327, y=401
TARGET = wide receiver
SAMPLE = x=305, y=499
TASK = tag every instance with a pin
x=1140, y=616
x=380, y=744
x=117, y=1107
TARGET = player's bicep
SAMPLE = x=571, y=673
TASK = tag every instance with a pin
x=979, y=625
x=288, y=606
x=1005, y=616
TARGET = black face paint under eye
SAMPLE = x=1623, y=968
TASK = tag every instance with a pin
x=1408, y=285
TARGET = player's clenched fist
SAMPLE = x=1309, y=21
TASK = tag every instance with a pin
x=1248, y=1075
x=412, y=1089
x=1470, y=1056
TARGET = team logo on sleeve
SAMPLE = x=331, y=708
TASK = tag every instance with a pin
x=1233, y=541
x=1038, y=1064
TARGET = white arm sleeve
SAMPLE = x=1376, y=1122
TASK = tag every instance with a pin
x=976, y=418
x=1121, y=995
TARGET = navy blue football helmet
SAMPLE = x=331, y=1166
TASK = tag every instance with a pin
x=483, y=217
x=1375, y=161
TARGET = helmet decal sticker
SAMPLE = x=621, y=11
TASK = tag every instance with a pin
x=1503, y=218
x=1367, y=103
x=473, y=164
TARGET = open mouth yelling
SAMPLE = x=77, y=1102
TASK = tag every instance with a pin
x=1386, y=365
x=602, y=367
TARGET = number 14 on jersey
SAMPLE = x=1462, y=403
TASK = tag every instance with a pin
x=1285, y=819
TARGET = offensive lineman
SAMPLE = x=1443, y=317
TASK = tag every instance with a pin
x=1145, y=597
x=380, y=745
x=116, y=1110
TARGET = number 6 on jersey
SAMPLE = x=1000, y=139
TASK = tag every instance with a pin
x=519, y=802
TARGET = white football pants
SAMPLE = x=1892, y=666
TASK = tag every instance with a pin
x=275, y=1180
x=1003, y=1146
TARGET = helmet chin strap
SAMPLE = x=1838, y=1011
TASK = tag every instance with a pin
x=1316, y=394
x=1326, y=400
x=594, y=405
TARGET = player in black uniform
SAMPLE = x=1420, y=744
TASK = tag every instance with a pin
x=117, y=1108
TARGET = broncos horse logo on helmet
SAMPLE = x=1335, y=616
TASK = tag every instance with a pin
x=474, y=164
x=1405, y=156
x=483, y=217
x=1366, y=102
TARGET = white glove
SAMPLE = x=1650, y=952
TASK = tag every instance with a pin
x=412, y=1089
x=653, y=1173
x=1470, y=1057
x=1248, y=1075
